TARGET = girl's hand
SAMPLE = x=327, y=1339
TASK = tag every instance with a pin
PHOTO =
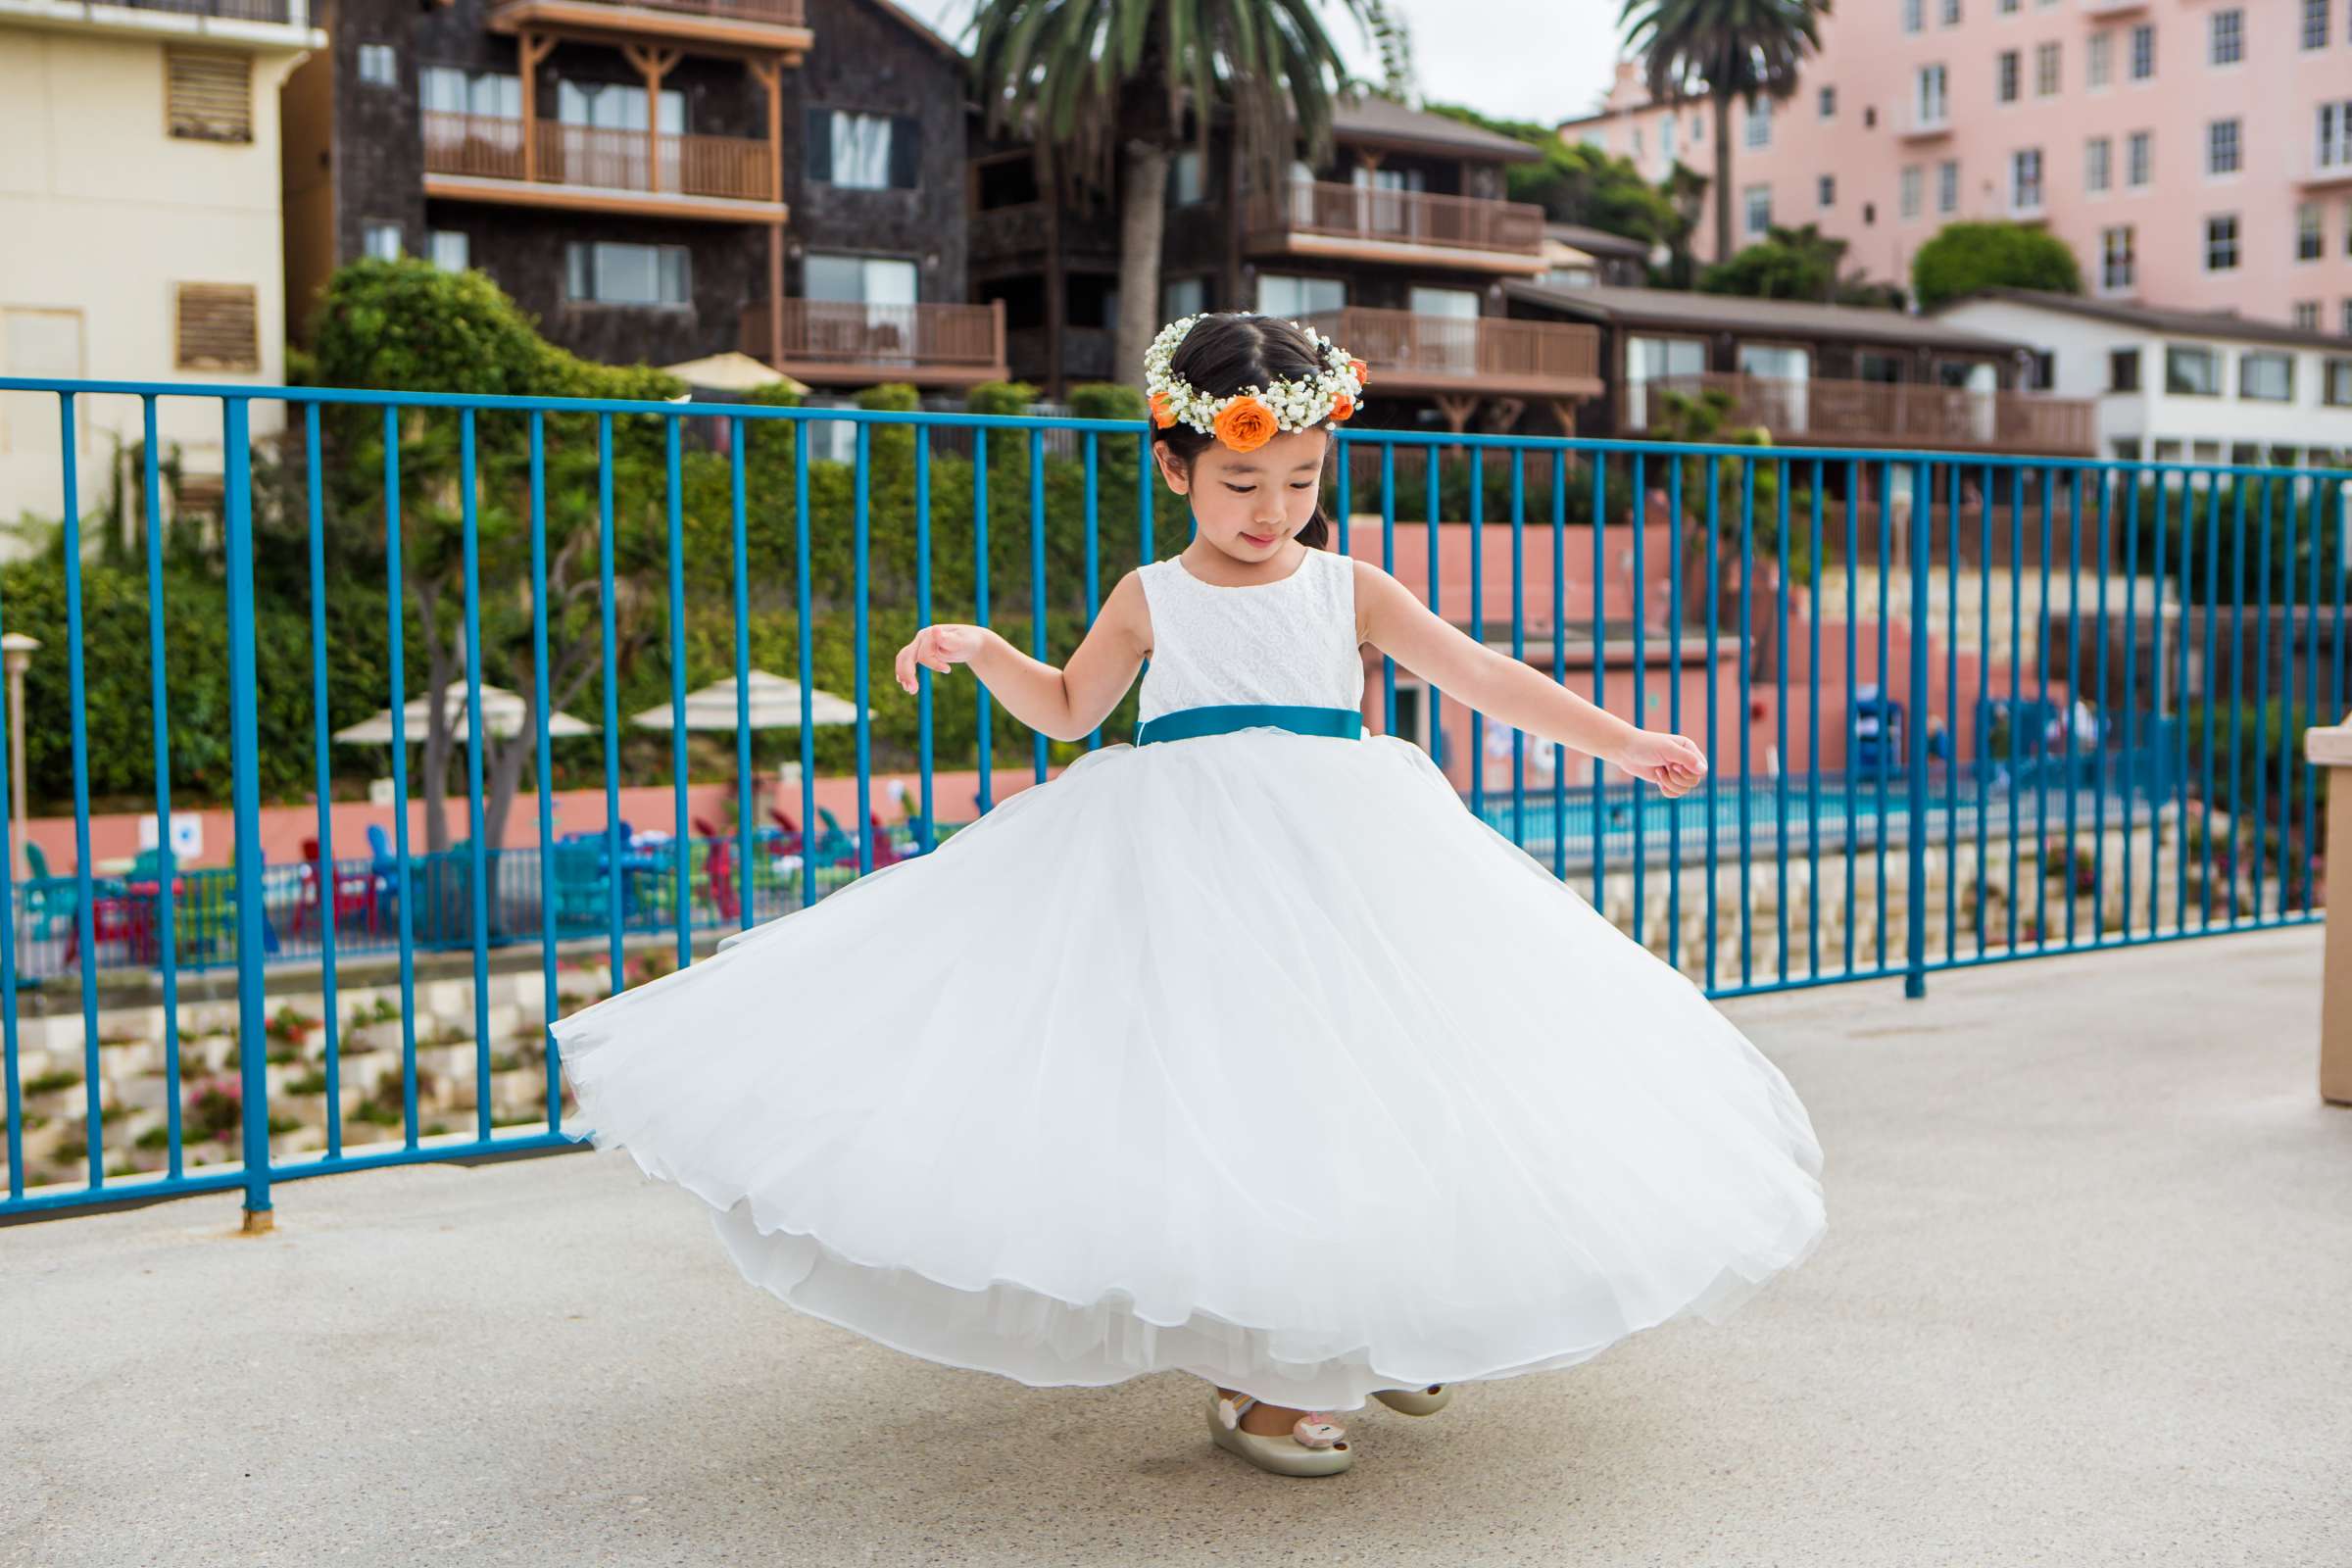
x=1676, y=766
x=938, y=646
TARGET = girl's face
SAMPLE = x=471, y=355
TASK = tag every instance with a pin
x=1251, y=503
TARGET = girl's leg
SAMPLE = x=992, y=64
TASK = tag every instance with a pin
x=1263, y=1419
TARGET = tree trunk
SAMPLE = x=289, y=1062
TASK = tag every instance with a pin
x=1722, y=177
x=1143, y=225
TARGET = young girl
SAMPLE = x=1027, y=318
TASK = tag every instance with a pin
x=1245, y=1050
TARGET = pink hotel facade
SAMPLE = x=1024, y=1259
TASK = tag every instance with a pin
x=2194, y=154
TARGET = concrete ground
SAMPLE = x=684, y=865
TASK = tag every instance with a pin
x=2086, y=1299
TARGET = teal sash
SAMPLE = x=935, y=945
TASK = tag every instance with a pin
x=1343, y=723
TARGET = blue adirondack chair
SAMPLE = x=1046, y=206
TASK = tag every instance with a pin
x=1878, y=732
x=583, y=884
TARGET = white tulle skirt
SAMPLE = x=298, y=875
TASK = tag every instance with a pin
x=1253, y=1056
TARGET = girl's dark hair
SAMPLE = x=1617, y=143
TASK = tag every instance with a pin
x=1222, y=354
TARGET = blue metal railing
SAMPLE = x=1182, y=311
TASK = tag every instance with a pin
x=2133, y=806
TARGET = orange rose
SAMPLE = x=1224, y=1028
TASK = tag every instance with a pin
x=1162, y=415
x=1342, y=408
x=1363, y=376
x=1245, y=424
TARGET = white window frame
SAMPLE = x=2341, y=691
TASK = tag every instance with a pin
x=1948, y=186
x=2226, y=39
x=380, y=239
x=379, y=65
x=1749, y=196
x=1913, y=187
x=2139, y=160
x=2028, y=192
x=2098, y=69
x=2215, y=239
x=448, y=249
x=2119, y=259
x=1930, y=97
x=2266, y=359
x=2311, y=233
x=2049, y=69
x=2141, y=65
x=2098, y=165
x=2008, y=76
x=2225, y=148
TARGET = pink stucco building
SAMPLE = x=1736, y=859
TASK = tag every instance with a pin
x=2194, y=154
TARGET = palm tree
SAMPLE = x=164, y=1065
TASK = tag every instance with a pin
x=1722, y=50
x=1109, y=90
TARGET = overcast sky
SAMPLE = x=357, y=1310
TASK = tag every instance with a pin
x=1539, y=60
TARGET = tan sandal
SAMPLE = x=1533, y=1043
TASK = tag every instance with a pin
x=1416, y=1401
x=1315, y=1444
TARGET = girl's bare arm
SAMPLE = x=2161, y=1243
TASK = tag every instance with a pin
x=1064, y=704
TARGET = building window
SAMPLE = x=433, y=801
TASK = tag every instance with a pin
x=2221, y=151
x=2335, y=384
x=2315, y=24
x=2118, y=271
x=1183, y=180
x=1829, y=190
x=612, y=272
x=2123, y=369
x=1870, y=117
x=2334, y=149
x=380, y=241
x=217, y=326
x=2221, y=243
x=2139, y=158
x=1759, y=123
x=2229, y=37
x=1279, y=294
x=884, y=285
x=2008, y=8
x=2047, y=73
x=1929, y=100
x=1828, y=103
x=379, y=65
x=1912, y=185
x=1183, y=296
x=2346, y=325
x=2143, y=53
x=1947, y=186
x=2191, y=371
x=208, y=96
x=490, y=94
x=2005, y=77
x=2098, y=161
x=2306, y=314
x=1914, y=15
x=2267, y=377
x=1665, y=139
x=1636, y=144
x=2025, y=179
x=1756, y=204
x=1885, y=369
x=862, y=152
x=2311, y=239
x=1870, y=214
x=448, y=249
x=2099, y=68
x=1951, y=13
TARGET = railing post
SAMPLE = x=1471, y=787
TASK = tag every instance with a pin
x=1915, y=919
x=2330, y=747
x=253, y=1046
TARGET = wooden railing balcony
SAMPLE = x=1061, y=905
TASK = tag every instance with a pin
x=1319, y=217
x=862, y=345
x=1877, y=414
x=780, y=24
x=1491, y=353
x=589, y=167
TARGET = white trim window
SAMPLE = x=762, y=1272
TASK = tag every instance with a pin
x=379, y=65
x=616, y=272
x=448, y=249
x=1829, y=190
x=2050, y=74
x=2307, y=316
x=2098, y=165
x=2311, y=233
x=1759, y=123
x=2224, y=151
x=2099, y=69
x=2221, y=243
x=1755, y=205
x=380, y=241
x=2333, y=148
x=1915, y=15
x=2140, y=158
x=1948, y=186
x=1913, y=187
x=2118, y=272
x=2192, y=370
x=1930, y=97
x=2227, y=37
x=2006, y=73
x=2025, y=180
x=2143, y=53
x=2315, y=22
x=2265, y=376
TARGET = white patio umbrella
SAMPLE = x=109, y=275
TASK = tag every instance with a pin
x=775, y=703
x=502, y=715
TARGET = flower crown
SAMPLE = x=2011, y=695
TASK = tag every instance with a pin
x=1248, y=418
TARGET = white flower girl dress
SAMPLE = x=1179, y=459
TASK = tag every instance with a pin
x=1244, y=1050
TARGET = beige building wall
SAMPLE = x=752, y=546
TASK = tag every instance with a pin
x=106, y=215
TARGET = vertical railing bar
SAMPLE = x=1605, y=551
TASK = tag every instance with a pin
x=2100, y=682
x=1041, y=756
x=245, y=754
x=807, y=657
x=1476, y=456
x=861, y=525
x=480, y=855
x=1854, y=558
x=543, y=768
x=1813, y=557
x=746, y=824
x=1915, y=736
x=11, y=1077
x=1388, y=564
x=167, y=899
x=1093, y=569
x=84, y=920
x=2129, y=761
x=2262, y=695
x=1878, y=827
x=1981, y=717
x=1714, y=749
x=1639, y=494
x=928, y=839
x=986, y=797
x=1779, y=667
x=2213, y=614
x=1600, y=663
x=2041, y=769
x=2074, y=680
x=1518, y=456
x=682, y=844
x=1952, y=703
x=327, y=880
x=2017, y=545
x=617, y=871
x=1431, y=699
x=1748, y=673
x=403, y=866
x=2304, y=866
x=1674, y=706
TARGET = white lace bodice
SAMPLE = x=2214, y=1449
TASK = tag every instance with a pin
x=1290, y=641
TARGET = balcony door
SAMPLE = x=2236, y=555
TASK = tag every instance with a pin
x=1384, y=206
x=1979, y=385
x=1782, y=374
x=879, y=326
x=603, y=138
x=1445, y=330
x=1676, y=362
x=1295, y=298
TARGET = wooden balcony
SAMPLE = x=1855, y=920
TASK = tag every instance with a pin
x=486, y=158
x=828, y=343
x=1310, y=218
x=1488, y=355
x=723, y=27
x=1877, y=414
